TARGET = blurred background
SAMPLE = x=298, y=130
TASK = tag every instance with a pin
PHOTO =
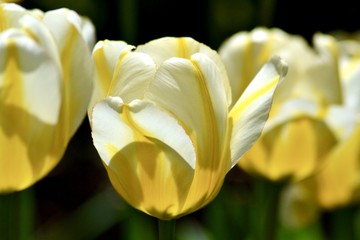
x=76, y=201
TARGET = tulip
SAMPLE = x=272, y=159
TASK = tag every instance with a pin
x=296, y=137
x=337, y=184
x=164, y=124
x=45, y=87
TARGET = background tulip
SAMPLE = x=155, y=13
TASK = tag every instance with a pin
x=163, y=124
x=45, y=86
x=336, y=185
x=296, y=137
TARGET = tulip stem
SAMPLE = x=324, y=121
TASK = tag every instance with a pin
x=17, y=215
x=167, y=229
x=267, y=195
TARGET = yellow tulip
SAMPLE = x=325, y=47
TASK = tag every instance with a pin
x=337, y=183
x=296, y=137
x=164, y=125
x=45, y=87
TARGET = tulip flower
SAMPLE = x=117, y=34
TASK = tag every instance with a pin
x=337, y=183
x=164, y=124
x=296, y=137
x=45, y=87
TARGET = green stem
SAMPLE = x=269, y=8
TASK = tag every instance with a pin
x=340, y=223
x=267, y=196
x=167, y=229
x=17, y=215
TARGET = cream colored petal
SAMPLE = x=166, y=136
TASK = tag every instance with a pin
x=294, y=108
x=167, y=47
x=109, y=133
x=14, y=16
x=342, y=121
x=193, y=93
x=249, y=114
x=106, y=55
x=38, y=31
x=156, y=124
x=78, y=70
x=30, y=98
x=325, y=70
x=350, y=73
x=244, y=53
x=142, y=164
x=29, y=79
x=9, y=15
x=88, y=31
x=132, y=77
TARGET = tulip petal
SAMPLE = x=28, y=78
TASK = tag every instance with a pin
x=342, y=121
x=336, y=188
x=350, y=73
x=132, y=76
x=145, y=152
x=167, y=47
x=325, y=70
x=106, y=54
x=30, y=98
x=249, y=114
x=191, y=91
x=75, y=54
x=88, y=31
x=152, y=122
x=23, y=65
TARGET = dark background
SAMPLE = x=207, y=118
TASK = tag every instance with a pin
x=76, y=201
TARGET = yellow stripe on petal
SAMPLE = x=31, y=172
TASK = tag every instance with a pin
x=249, y=114
x=183, y=50
x=211, y=124
x=239, y=108
x=3, y=20
x=147, y=172
x=116, y=72
x=12, y=86
x=103, y=70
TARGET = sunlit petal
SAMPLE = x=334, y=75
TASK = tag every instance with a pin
x=249, y=114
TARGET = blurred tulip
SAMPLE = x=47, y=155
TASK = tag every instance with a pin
x=296, y=137
x=46, y=78
x=162, y=122
x=337, y=184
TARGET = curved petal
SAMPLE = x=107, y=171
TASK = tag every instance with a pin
x=338, y=181
x=342, y=121
x=132, y=76
x=23, y=65
x=106, y=55
x=77, y=68
x=192, y=91
x=325, y=70
x=292, y=150
x=350, y=73
x=88, y=31
x=167, y=47
x=10, y=15
x=30, y=98
x=245, y=53
x=143, y=158
x=249, y=114
x=295, y=108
